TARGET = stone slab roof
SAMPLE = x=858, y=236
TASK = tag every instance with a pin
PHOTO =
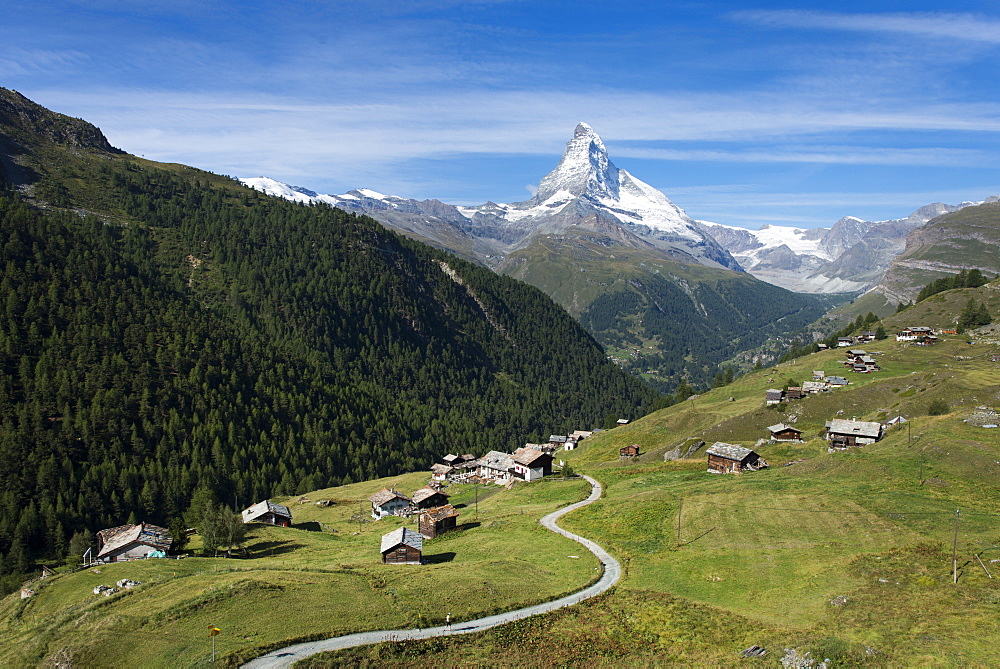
x=385, y=495
x=729, y=451
x=402, y=536
x=260, y=509
x=116, y=538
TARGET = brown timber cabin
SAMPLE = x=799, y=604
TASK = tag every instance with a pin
x=629, y=451
x=438, y=520
x=726, y=458
x=402, y=546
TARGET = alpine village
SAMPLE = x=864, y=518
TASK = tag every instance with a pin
x=232, y=422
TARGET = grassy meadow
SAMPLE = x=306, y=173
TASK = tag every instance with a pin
x=322, y=577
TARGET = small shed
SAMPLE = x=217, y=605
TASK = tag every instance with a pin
x=402, y=546
x=836, y=381
x=783, y=432
x=622, y=421
x=428, y=497
x=773, y=396
x=813, y=387
x=794, y=393
x=387, y=502
x=131, y=542
x=731, y=459
x=557, y=440
x=268, y=512
x=631, y=451
x=437, y=520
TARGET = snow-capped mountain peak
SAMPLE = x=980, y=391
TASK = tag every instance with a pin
x=585, y=169
x=585, y=191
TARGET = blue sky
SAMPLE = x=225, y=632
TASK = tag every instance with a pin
x=741, y=113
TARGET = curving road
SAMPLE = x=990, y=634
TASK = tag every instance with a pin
x=285, y=657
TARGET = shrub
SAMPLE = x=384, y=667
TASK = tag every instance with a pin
x=937, y=407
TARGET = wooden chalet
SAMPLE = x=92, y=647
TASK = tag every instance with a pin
x=913, y=333
x=437, y=520
x=836, y=381
x=402, y=546
x=495, y=466
x=428, y=497
x=132, y=542
x=773, y=396
x=441, y=472
x=268, y=512
x=818, y=375
x=631, y=451
x=843, y=342
x=557, y=440
x=622, y=421
x=794, y=393
x=731, y=459
x=865, y=337
x=531, y=464
x=387, y=502
x=783, y=432
x=925, y=340
x=456, y=461
x=578, y=435
x=813, y=387
x=823, y=347
x=846, y=433
x=854, y=354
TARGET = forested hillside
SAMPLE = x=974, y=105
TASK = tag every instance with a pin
x=165, y=330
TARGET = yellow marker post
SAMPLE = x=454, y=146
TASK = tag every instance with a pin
x=213, y=632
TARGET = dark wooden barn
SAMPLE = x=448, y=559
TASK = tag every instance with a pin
x=402, y=546
x=438, y=520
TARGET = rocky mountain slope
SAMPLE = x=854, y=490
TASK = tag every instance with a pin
x=964, y=239
x=851, y=256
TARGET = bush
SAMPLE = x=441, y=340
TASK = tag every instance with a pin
x=937, y=408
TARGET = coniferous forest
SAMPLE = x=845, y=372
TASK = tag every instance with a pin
x=167, y=333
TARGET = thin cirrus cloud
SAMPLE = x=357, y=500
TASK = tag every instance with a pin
x=962, y=27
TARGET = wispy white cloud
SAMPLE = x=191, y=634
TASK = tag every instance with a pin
x=960, y=27
x=16, y=61
x=844, y=155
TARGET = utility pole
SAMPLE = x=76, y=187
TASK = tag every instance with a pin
x=954, y=549
x=680, y=507
x=476, y=486
x=361, y=512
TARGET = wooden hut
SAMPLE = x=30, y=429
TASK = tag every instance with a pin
x=428, y=497
x=402, y=546
x=268, y=512
x=437, y=520
x=631, y=451
x=730, y=459
x=783, y=432
x=846, y=433
x=131, y=542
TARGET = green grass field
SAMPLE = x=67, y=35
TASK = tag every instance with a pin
x=300, y=583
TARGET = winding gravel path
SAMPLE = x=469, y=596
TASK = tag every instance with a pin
x=285, y=657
